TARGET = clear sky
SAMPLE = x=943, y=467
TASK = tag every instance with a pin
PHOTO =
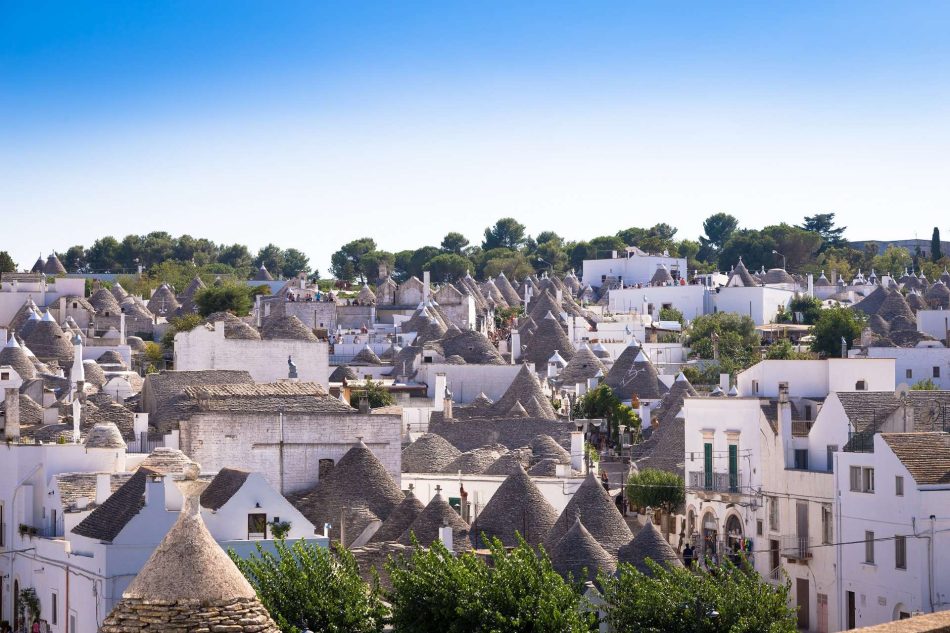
x=313, y=123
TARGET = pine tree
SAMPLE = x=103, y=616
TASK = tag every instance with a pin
x=935, y=252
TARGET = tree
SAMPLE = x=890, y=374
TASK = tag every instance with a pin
x=513, y=263
x=454, y=243
x=671, y=314
x=448, y=267
x=797, y=245
x=103, y=255
x=307, y=586
x=893, y=261
x=7, y=265
x=653, y=488
x=236, y=256
x=832, y=325
x=550, y=255
x=600, y=403
x=738, y=338
x=295, y=262
x=656, y=239
x=346, y=264
x=936, y=251
x=233, y=298
x=718, y=228
x=506, y=233
x=824, y=225
x=272, y=258
x=678, y=600
x=754, y=247
x=377, y=395
x=375, y=261
x=153, y=357
x=74, y=259
x=780, y=350
x=517, y=591
x=809, y=307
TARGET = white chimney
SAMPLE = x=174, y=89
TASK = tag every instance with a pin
x=439, y=396
x=425, y=286
x=3, y=336
x=77, y=412
x=645, y=422
x=724, y=382
x=577, y=450
x=515, y=346
x=122, y=329
x=811, y=284
x=11, y=424
x=103, y=487
x=445, y=535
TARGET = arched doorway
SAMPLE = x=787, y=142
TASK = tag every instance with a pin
x=734, y=536
x=709, y=530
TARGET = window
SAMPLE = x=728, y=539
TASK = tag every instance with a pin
x=758, y=527
x=54, y=608
x=899, y=486
x=936, y=371
x=801, y=459
x=808, y=413
x=832, y=449
x=707, y=466
x=861, y=385
x=869, y=548
x=900, y=552
x=773, y=514
x=733, y=468
x=755, y=386
x=256, y=526
x=862, y=479
x=827, y=525
x=910, y=373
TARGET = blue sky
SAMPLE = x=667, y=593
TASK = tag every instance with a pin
x=313, y=123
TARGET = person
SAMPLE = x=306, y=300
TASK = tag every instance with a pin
x=605, y=480
x=36, y=626
x=688, y=555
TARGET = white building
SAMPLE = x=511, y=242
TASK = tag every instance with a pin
x=930, y=360
x=630, y=268
x=758, y=472
x=936, y=323
x=209, y=347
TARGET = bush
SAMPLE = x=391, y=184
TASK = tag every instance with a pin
x=671, y=314
x=375, y=393
x=677, y=600
x=233, y=298
x=517, y=591
x=831, y=326
x=924, y=385
x=738, y=339
x=308, y=586
x=652, y=488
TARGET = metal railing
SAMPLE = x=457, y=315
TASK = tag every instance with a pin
x=143, y=445
x=797, y=547
x=715, y=482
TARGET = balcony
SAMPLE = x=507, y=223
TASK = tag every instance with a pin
x=715, y=482
x=797, y=548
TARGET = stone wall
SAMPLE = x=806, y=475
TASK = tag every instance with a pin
x=315, y=314
x=250, y=441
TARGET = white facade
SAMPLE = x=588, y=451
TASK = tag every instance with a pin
x=915, y=364
x=760, y=303
x=816, y=377
x=637, y=268
x=47, y=292
x=266, y=360
x=689, y=299
x=872, y=579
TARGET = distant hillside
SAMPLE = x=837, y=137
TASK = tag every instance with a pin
x=910, y=245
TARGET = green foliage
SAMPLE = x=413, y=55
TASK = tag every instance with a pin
x=454, y=243
x=781, y=350
x=600, y=403
x=810, y=307
x=183, y=323
x=375, y=393
x=754, y=247
x=652, y=488
x=592, y=453
x=279, y=529
x=894, y=260
x=347, y=263
x=925, y=385
x=305, y=585
x=797, y=245
x=831, y=326
x=234, y=298
x=295, y=262
x=513, y=263
x=677, y=600
x=656, y=239
x=448, y=267
x=506, y=233
x=738, y=339
x=7, y=265
x=824, y=225
x=153, y=357
x=718, y=228
x=517, y=591
x=671, y=314
x=29, y=603
x=74, y=259
x=270, y=257
x=936, y=250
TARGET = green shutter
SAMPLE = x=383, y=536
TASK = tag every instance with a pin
x=733, y=468
x=708, y=466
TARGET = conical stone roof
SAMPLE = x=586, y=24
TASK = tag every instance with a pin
x=189, y=583
x=94, y=373
x=234, y=327
x=53, y=266
x=366, y=296
x=366, y=356
x=549, y=339
x=517, y=507
x=341, y=373
x=104, y=435
x=38, y=266
x=473, y=462
x=49, y=343
x=104, y=302
x=287, y=327
x=648, y=543
x=510, y=462
x=13, y=355
x=545, y=447
x=622, y=370
x=507, y=291
x=598, y=512
x=118, y=292
x=163, y=302
x=430, y=453
x=399, y=520
x=578, y=554
x=582, y=367
x=434, y=516
x=523, y=389
x=358, y=478
x=263, y=274
x=473, y=346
